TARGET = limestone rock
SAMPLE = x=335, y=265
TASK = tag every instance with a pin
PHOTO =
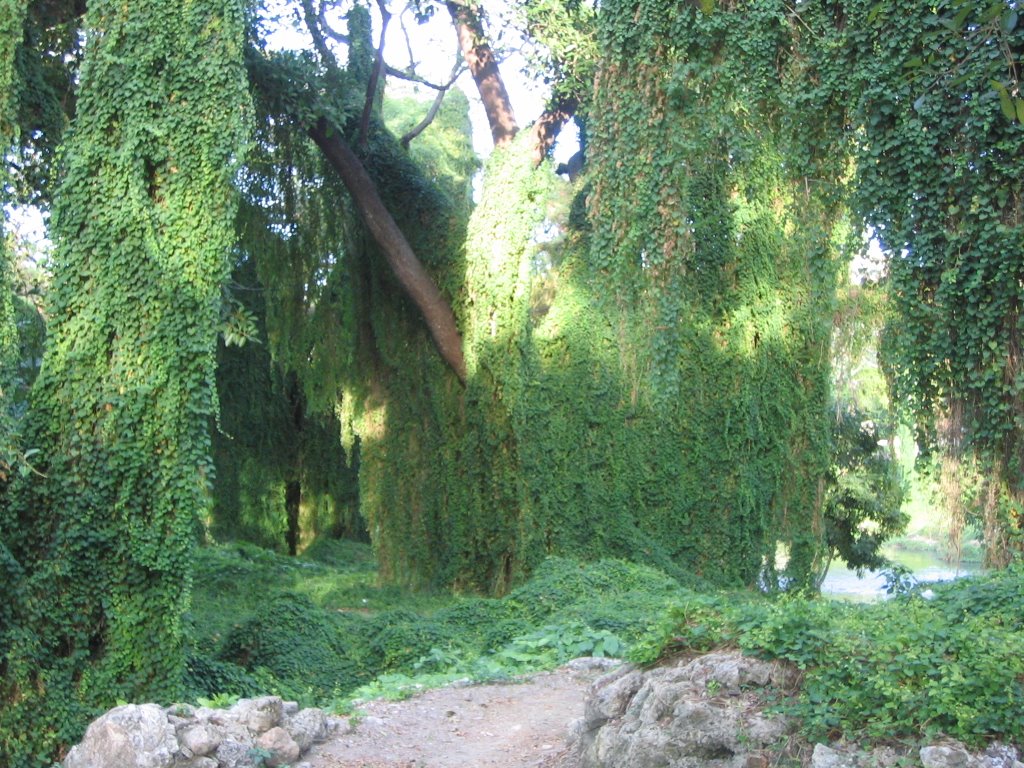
x=307, y=727
x=611, y=694
x=704, y=713
x=945, y=756
x=258, y=715
x=198, y=762
x=826, y=757
x=282, y=748
x=235, y=754
x=130, y=736
x=200, y=738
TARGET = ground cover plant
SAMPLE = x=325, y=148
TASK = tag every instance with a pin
x=946, y=658
x=934, y=659
x=320, y=630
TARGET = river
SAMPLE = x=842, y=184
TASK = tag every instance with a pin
x=926, y=565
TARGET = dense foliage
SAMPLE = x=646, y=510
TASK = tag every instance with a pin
x=942, y=661
x=319, y=629
x=940, y=178
x=646, y=350
x=105, y=539
x=12, y=13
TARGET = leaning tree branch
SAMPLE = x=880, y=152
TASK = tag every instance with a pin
x=371, y=87
x=550, y=124
x=316, y=24
x=416, y=130
x=408, y=270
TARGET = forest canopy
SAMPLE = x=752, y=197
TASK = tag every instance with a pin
x=286, y=303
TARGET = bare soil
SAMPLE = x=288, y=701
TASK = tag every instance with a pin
x=511, y=725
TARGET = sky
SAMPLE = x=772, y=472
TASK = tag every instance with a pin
x=435, y=47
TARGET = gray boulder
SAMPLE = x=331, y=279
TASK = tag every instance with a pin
x=235, y=754
x=282, y=748
x=704, y=713
x=826, y=757
x=131, y=736
x=258, y=715
x=199, y=738
x=307, y=727
x=945, y=756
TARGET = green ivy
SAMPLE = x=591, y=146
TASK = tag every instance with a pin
x=940, y=178
x=143, y=229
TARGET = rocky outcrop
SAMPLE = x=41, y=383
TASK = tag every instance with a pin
x=709, y=712
x=704, y=713
x=265, y=731
x=948, y=754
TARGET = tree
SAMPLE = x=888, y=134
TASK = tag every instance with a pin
x=143, y=214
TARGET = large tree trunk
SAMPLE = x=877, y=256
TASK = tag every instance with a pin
x=484, y=68
x=396, y=249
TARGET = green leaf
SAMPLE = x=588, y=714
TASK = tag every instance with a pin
x=707, y=6
x=1005, y=102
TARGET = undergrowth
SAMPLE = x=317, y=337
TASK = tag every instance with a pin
x=318, y=629
x=948, y=659
x=943, y=659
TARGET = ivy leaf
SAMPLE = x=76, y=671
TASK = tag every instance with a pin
x=707, y=7
x=1005, y=102
x=1009, y=21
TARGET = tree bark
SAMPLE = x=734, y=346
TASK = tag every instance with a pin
x=411, y=275
x=484, y=68
x=550, y=124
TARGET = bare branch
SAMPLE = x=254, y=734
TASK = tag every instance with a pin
x=371, y=88
x=408, y=40
x=320, y=30
x=434, y=108
x=328, y=29
x=313, y=23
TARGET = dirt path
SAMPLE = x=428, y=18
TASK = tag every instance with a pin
x=516, y=725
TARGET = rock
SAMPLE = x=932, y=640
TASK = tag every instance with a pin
x=289, y=708
x=200, y=738
x=591, y=663
x=235, y=754
x=704, y=713
x=997, y=755
x=307, y=727
x=181, y=711
x=258, y=715
x=198, y=762
x=610, y=695
x=282, y=748
x=826, y=757
x=945, y=756
x=884, y=757
x=131, y=736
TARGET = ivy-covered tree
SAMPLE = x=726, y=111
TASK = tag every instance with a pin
x=143, y=231
x=940, y=178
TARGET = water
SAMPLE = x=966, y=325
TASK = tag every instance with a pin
x=925, y=565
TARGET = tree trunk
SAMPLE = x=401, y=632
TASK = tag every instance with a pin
x=484, y=68
x=396, y=249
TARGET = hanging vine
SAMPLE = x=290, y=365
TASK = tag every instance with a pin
x=143, y=229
